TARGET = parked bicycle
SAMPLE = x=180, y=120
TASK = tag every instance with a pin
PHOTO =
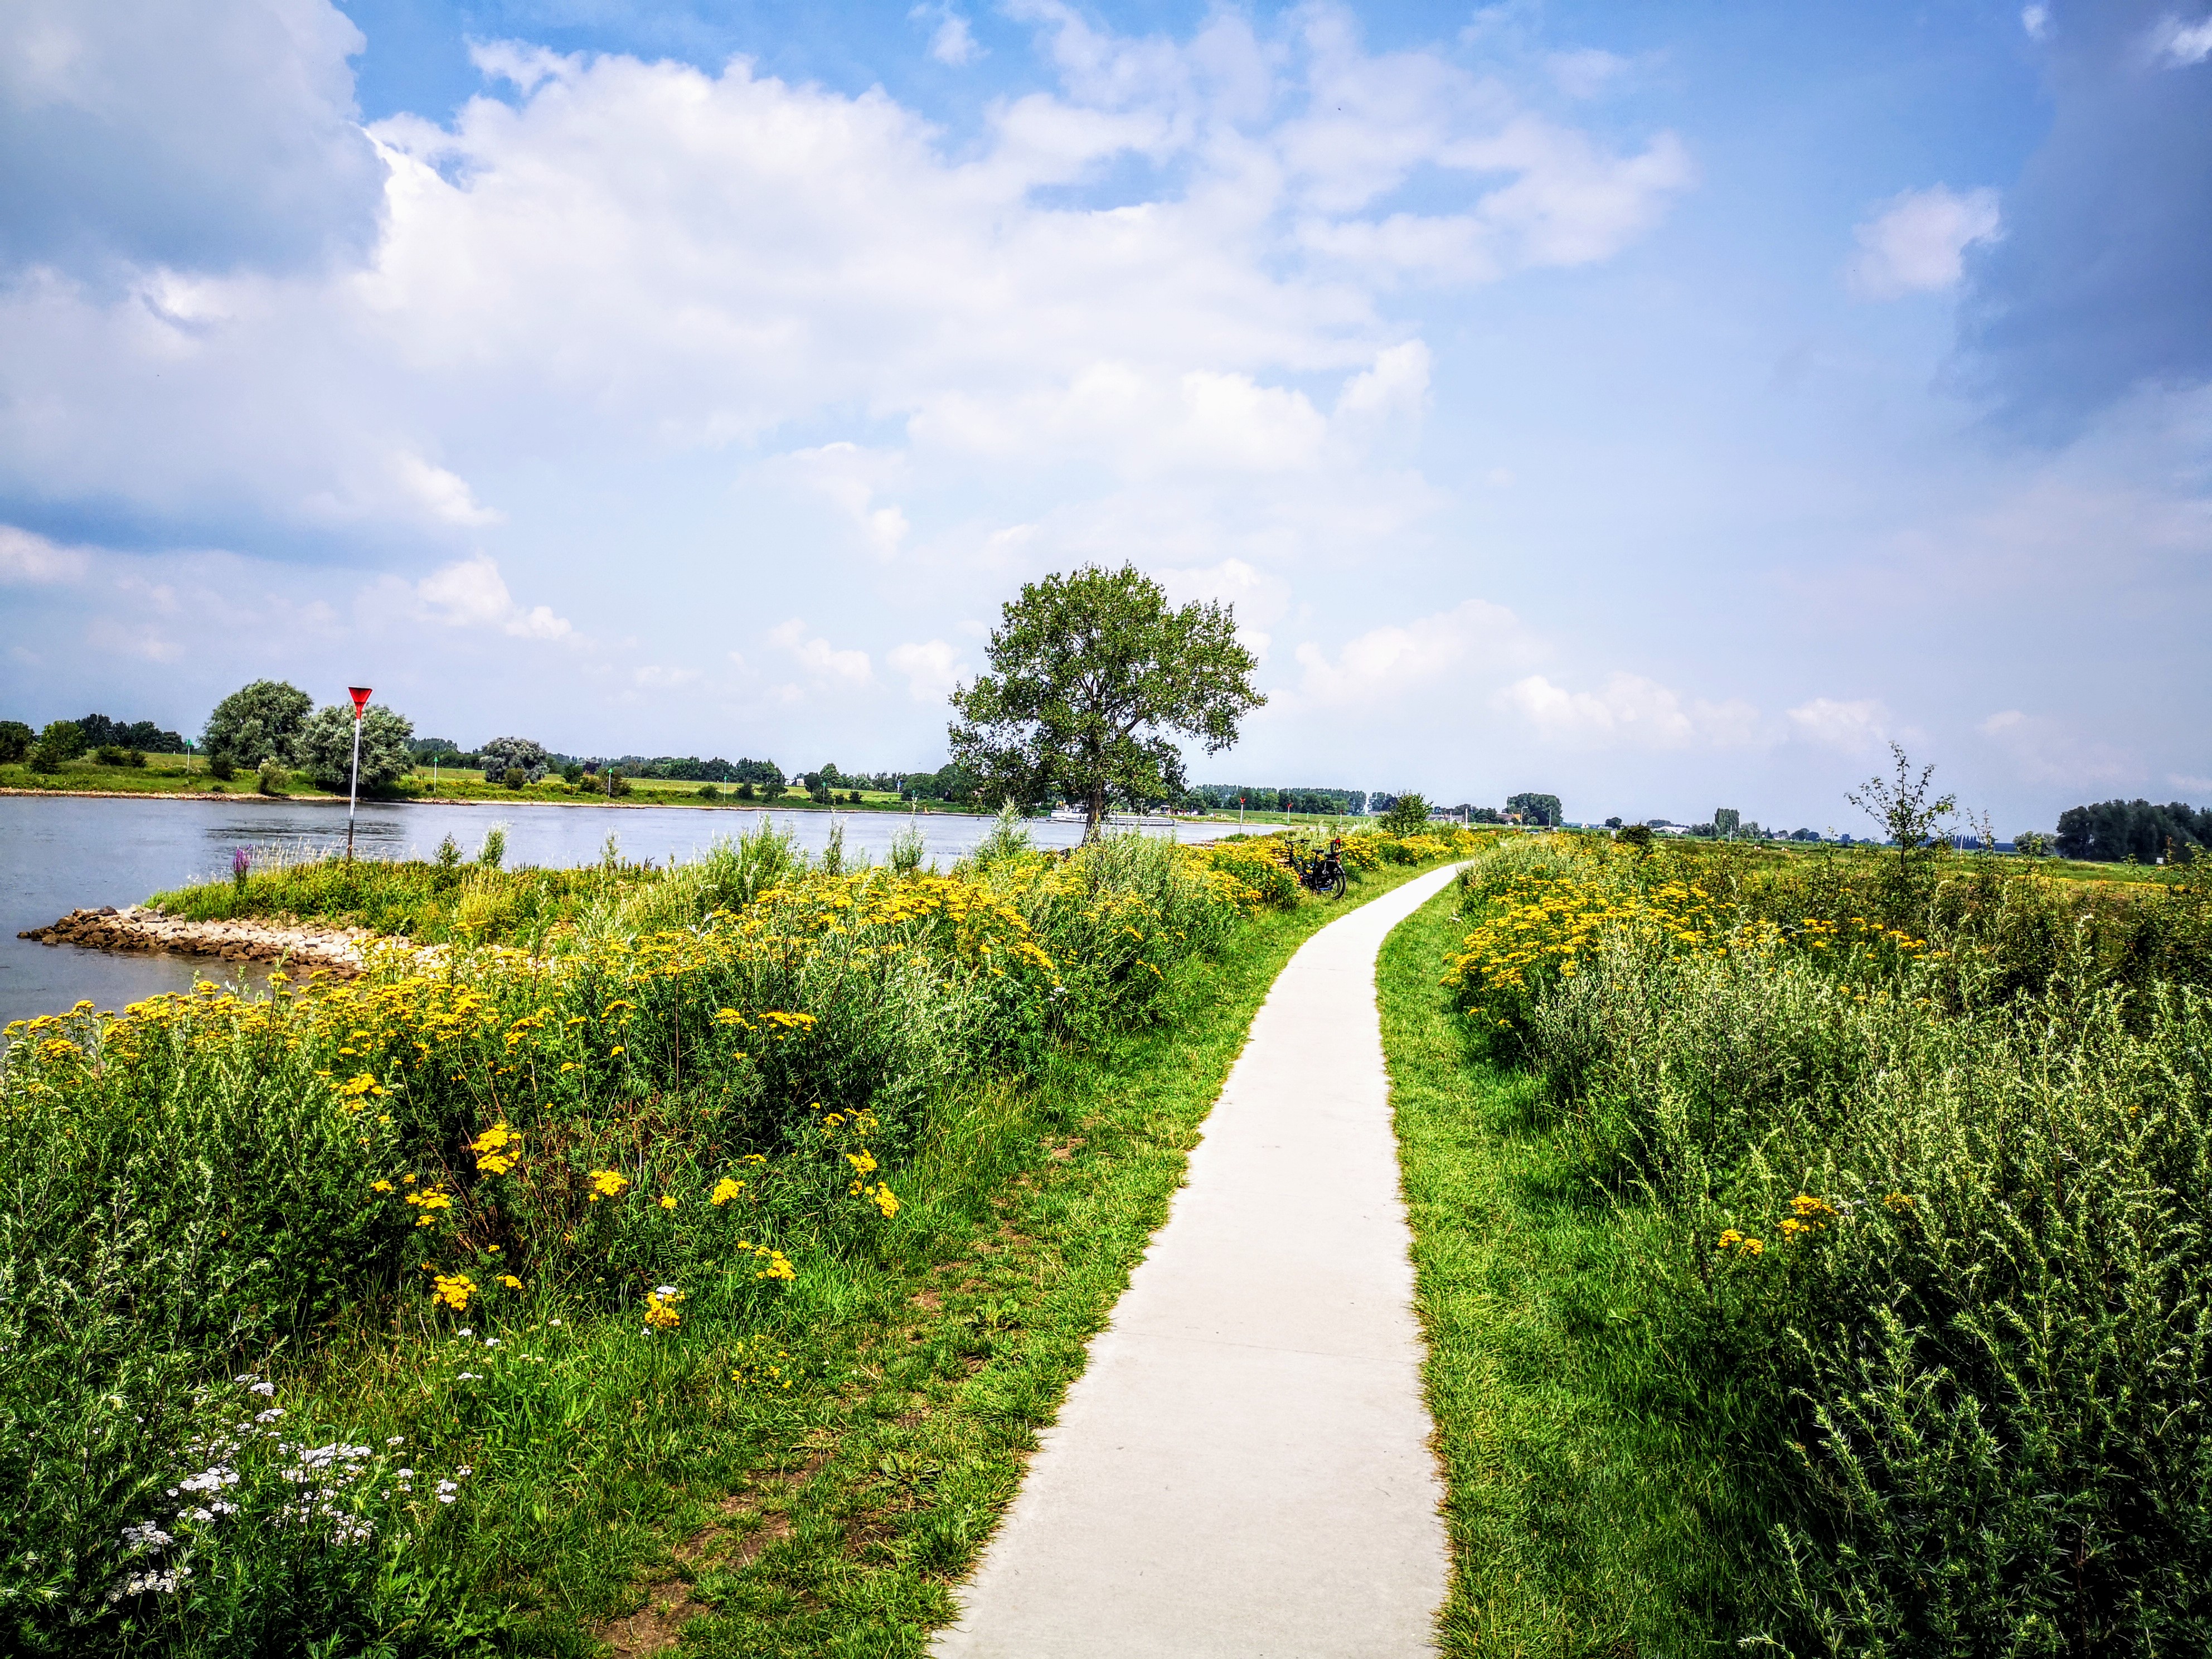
x=1321, y=873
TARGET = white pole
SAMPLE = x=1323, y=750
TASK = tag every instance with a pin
x=353, y=797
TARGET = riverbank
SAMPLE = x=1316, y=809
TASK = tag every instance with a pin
x=338, y=952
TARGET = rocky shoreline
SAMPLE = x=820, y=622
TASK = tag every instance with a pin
x=341, y=951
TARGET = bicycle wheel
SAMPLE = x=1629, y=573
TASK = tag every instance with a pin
x=1334, y=885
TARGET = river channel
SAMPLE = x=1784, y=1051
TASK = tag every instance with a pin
x=60, y=853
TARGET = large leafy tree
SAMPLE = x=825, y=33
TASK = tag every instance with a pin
x=1095, y=678
x=324, y=747
x=258, y=722
x=1536, y=808
x=502, y=754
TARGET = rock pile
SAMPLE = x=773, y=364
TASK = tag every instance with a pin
x=139, y=928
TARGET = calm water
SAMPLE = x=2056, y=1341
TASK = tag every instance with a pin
x=57, y=853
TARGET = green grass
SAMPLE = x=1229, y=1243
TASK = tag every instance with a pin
x=624, y=1486
x=1590, y=1511
x=1030, y=1211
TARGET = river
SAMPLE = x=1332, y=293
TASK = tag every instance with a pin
x=60, y=853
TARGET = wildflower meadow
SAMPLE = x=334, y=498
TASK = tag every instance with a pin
x=401, y=1314
x=1884, y=1177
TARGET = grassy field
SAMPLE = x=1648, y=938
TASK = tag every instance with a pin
x=1813, y=1251
x=721, y=1269
x=1591, y=1512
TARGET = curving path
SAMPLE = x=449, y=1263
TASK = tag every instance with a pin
x=1243, y=1470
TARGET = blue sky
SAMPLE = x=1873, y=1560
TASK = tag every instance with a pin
x=1665, y=407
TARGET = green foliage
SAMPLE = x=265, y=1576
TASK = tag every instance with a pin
x=504, y=754
x=60, y=743
x=142, y=735
x=258, y=722
x=1408, y=816
x=16, y=741
x=1927, y=1161
x=113, y=754
x=1094, y=677
x=1901, y=805
x=2113, y=830
x=1537, y=809
x=324, y=748
x=221, y=1190
x=274, y=775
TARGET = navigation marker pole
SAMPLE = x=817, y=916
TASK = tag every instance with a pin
x=360, y=695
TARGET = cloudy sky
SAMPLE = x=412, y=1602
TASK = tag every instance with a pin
x=1663, y=406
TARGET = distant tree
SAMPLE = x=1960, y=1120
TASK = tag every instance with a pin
x=60, y=743
x=258, y=722
x=2031, y=844
x=16, y=741
x=324, y=750
x=2113, y=830
x=1408, y=816
x=504, y=755
x=1485, y=815
x=1727, y=820
x=1612, y=824
x=1537, y=809
x=101, y=733
x=1638, y=835
x=1901, y=805
x=1804, y=835
x=1094, y=678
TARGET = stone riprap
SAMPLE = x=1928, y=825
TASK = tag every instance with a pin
x=342, y=950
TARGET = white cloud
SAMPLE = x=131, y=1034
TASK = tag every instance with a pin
x=442, y=494
x=626, y=257
x=952, y=42
x=1587, y=73
x=850, y=476
x=932, y=668
x=1916, y=244
x=656, y=677
x=2182, y=45
x=2046, y=750
x=822, y=662
x=2199, y=786
x=1398, y=381
x=1405, y=662
x=2036, y=20
x=1856, y=727
x=1630, y=710
x=128, y=639
x=33, y=561
x=471, y=593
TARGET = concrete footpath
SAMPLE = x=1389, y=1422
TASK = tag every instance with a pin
x=1244, y=1468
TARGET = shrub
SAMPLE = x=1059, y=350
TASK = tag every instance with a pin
x=273, y=777
x=16, y=740
x=1408, y=815
x=324, y=747
x=257, y=721
x=59, y=743
x=514, y=778
x=110, y=754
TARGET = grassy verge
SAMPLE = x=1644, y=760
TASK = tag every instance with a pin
x=518, y=1298
x=839, y=1526
x=626, y=1488
x=1590, y=1511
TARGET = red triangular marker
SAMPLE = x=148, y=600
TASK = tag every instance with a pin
x=359, y=699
